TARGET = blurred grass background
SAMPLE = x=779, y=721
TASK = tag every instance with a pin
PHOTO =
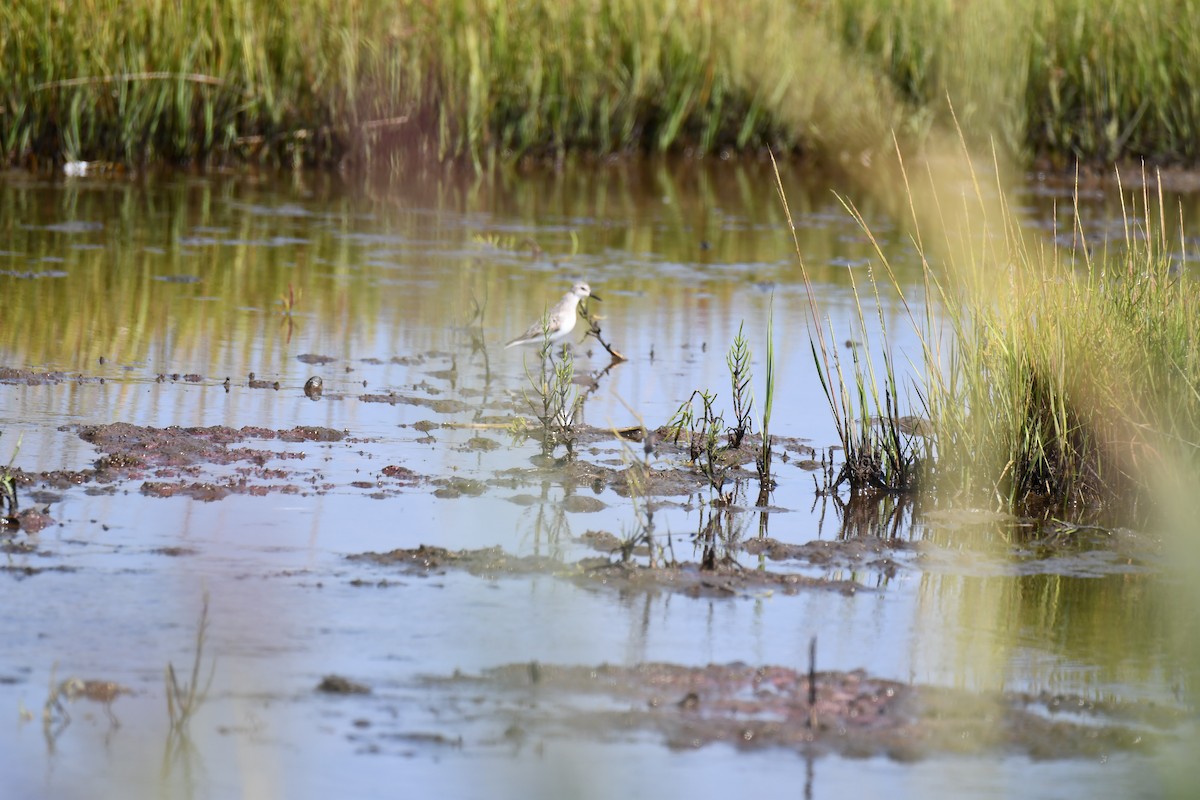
x=211, y=81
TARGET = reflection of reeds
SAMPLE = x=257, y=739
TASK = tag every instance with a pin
x=636, y=472
x=184, y=700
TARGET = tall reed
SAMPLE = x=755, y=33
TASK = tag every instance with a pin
x=866, y=414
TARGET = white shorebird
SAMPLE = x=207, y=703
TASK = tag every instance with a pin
x=559, y=321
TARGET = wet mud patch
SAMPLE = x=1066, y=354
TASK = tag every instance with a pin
x=443, y=405
x=724, y=580
x=814, y=713
x=178, y=461
x=337, y=684
x=30, y=377
x=173, y=446
x=317, y=359
x=32, y=520
x=573, y=474
x=859, y=552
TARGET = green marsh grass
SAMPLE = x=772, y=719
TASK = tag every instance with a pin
x=866, y=414
x=198, y=81
x=1078, y=370
x=1056, y=380
x=763, y=461
x=703, y=436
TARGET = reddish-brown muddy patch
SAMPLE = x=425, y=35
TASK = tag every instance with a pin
x=174, y=461
x=848, y=713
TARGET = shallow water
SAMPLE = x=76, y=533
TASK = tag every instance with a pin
x=409, y=288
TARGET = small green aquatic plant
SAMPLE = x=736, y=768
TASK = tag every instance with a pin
x=763, y=461
x=738, y=361
x=703, y=436
x=289, y=301
x=555, y=401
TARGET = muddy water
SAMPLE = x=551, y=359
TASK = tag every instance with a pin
x=151, y=301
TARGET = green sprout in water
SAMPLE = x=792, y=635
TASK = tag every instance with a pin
x=703, y=436
x=556, y=401
x=763, y=462
x=739, y=375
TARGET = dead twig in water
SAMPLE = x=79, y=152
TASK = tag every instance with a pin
x=594, y=330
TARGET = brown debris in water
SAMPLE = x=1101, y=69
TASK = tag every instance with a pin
x=32, y=520
x=336, y=684
x=869, y=552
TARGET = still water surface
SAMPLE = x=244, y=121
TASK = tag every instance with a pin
x=410, y=287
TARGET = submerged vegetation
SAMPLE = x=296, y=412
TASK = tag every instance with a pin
x=215, y=80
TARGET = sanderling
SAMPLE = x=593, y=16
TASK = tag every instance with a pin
x=559, y=321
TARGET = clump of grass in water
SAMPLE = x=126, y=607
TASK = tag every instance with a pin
x=877, y=457
x=1080, y=373
x=703, y=434
x=1073, y=378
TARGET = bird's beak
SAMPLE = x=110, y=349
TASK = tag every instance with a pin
x=594, y=296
